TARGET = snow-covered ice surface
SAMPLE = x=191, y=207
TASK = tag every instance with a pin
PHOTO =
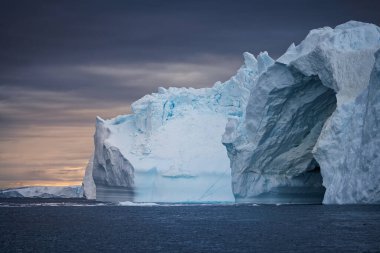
x=302, y=129
x=43, y=192
x=317, y=108
x=169, y=149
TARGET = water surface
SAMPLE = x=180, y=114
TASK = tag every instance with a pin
x=82, y=226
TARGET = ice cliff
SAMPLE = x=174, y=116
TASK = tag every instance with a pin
x=169, y=149
x=316, y=109
x=301, y=129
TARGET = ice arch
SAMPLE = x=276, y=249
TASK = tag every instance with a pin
x=279, y=165
x=287, y=129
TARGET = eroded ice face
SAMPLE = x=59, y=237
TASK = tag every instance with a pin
x=312, y=109
x=169, y=149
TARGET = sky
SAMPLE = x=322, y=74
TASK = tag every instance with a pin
x=62, y=63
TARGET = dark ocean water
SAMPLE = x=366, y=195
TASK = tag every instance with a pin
x=81, y=226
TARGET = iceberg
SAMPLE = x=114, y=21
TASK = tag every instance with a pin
x=301, y=129
x=43, y=192
x=311, y=128
x=169, y=149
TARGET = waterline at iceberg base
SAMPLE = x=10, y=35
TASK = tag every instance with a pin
x=301, y=129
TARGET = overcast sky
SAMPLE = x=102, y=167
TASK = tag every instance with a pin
x=64, y=62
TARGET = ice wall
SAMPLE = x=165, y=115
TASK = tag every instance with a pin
x=89, y=188
x=349, y=148
x=311, y=111
x=169, y=149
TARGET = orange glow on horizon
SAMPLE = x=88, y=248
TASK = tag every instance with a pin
x=4, y=185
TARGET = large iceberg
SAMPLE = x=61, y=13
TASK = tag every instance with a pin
x=301, y=129
x=169, y=149
x=313, y=116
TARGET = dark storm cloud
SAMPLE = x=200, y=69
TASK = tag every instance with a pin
x=124, y=31
x=64, y=62
x=37, y=35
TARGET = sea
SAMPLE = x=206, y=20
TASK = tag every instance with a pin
x=78, y=225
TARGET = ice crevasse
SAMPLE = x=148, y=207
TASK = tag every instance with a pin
x=301, y=129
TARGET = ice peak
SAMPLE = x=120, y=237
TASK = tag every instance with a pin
x=351, y=24
x=263, y=61
x=249, y=60
x=99, y=120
